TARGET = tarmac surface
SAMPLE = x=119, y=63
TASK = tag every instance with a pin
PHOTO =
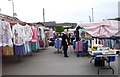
x=45, y=62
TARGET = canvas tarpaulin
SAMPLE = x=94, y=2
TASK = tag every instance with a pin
x=101, y=29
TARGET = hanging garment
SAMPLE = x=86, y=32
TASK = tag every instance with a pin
x=103, y=42
x=117, y=40
x=79, y=46
x=46, y=42
x=37, y=45
x=19, y=50
x=27, y=47
x=74, y=44
x=28, y=37
x=39, y=34
x=97, y=41
x=28, y=33
x=7, y=50
x=35, y=35
x=5, y=34
x=117, y=43
x=93, y=43
x=41, y=43
x=112, y=44
x=58, y=44
x=42, y=32
x=85, y=46
x=89, y=44
x=33, y=46
x=18, y=35
x=107, y=42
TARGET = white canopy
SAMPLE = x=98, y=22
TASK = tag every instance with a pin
x=101, y=29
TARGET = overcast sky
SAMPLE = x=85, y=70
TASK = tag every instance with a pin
x=77, y=11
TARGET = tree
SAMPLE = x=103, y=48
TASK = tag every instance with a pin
x=72, y=27
x=59, y=29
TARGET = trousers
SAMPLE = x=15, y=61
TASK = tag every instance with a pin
x=65, y=48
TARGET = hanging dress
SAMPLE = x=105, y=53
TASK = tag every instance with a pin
x=42, y=38
x=18, y=39
x=34, y=39
x=28, y=37
x=6, y=38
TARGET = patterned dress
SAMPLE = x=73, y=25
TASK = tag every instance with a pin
x=6, y=38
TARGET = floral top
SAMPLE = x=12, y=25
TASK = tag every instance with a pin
x=28, y=33
x=18, y=34
x=5, y=34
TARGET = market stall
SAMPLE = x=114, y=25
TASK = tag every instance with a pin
x=105, y=44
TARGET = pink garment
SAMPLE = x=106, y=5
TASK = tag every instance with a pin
x=101, y=42
x=35, y=35
x=79, y=46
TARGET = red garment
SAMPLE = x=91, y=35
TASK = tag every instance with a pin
x=34, y=36
x=41, y=43
x=103, y=42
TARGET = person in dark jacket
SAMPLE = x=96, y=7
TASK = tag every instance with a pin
x=65, y=44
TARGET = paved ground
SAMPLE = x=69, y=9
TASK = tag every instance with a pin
x=45, y=62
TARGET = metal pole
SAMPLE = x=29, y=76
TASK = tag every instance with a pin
x=43, y=15
x=13, y=7
x=89, y=19
x=92, y=16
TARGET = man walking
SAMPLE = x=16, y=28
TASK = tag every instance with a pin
x=65, y=44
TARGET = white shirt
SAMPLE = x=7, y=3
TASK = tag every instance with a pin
x=18, y=34
x=28, y=33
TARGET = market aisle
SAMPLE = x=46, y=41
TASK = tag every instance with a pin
x=45, y=62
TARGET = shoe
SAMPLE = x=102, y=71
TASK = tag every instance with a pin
x=66, y=56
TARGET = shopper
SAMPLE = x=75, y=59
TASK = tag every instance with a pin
x=65, y=44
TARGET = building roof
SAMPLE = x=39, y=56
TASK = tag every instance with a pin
x=66, y=24
x=10, y=19
x=117, y=19
x=14, y=20
x=49, y=24
x=53, y=23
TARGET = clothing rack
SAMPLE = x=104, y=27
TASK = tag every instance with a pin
x=18, y=57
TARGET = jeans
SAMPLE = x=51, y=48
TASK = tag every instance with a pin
x=65, y=48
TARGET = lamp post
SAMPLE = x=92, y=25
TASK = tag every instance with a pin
x=92, y=16
x=43, y=15
x=14, y=14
